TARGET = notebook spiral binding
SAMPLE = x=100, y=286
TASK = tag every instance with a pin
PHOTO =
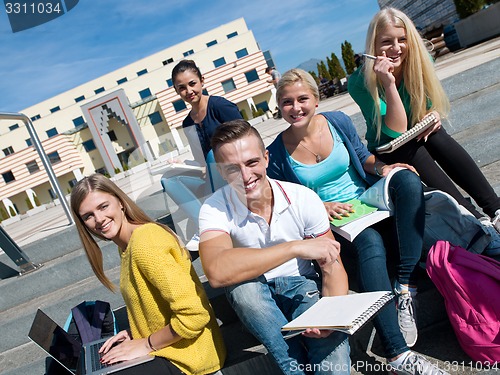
x=365, y=316
x=415, y=131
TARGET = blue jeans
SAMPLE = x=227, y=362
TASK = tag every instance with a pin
x=405, y=232
x=264, y=307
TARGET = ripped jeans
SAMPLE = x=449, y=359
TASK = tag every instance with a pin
x=265, y=306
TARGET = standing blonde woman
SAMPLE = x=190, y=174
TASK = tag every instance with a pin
x=169, y=314
x=398, y=89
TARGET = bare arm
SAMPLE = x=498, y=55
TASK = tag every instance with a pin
x=333, y=275
x=372, y=165
x=225, y=265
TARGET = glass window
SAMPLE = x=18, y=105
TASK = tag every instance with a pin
x=55, y=109
x=212, y=43
x=32, y=166
x=12, y=127
x=78, y=121
x=52, y=194
x=36, y=117
x=89, y=145
x=146, y=93
x=155, y=118
x=122, y=80
x=142, y=72
x=241, y=53
x=187, y=53
x=219, y=62
x=168, y=61
x=28, y=142
x=262, y=105
x=8, y=177
x=179, y=105
x=8, y=151
x=54, y=157
x=112, y=136
x=80, y=98
x=99, y=90
x=72, y=183
x=228, y=85
x=51, y=132
x=252, y=75
x=232, y=35
x=169, y=82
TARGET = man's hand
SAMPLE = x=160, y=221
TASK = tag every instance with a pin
x=324, y=250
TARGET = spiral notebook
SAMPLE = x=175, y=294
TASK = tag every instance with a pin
x=408, y=135
x=340, y=313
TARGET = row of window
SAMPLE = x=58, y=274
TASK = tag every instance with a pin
x=50, y=133
x=32, y=167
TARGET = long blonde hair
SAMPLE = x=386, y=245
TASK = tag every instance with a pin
x=133, y=213
x=419, y=76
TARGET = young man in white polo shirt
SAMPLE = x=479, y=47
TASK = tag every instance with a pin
x=258, y=239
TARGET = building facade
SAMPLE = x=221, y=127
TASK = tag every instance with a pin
x=129, y=116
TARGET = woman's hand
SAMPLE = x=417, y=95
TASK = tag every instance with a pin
x=316, y=333
x=122, y=347
x=384, y=69
x=386, y=168
x=337, y=210
x=432, y=129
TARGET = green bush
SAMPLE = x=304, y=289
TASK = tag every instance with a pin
x=28, y=203
x=3, y=214
x=467, y=7
x=12, y=211
x=37, y=201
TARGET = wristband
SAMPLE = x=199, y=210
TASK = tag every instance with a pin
x=376, y=170
x=151, y=345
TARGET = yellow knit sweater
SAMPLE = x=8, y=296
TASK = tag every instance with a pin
x=160, y=287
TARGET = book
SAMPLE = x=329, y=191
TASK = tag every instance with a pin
x=372, y=206
x=408, y=135
x=340, y=313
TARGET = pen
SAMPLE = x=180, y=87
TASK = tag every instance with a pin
x=371, y=57
x=312, y=235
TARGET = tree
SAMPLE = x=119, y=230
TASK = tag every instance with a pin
x=323, y=71
x=348, y=57
x=315, y=76
x=334, y=67
x=467, y=7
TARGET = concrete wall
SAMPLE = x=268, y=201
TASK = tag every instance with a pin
x=480, y=26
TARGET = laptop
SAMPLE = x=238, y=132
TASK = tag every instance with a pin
x=70, y=353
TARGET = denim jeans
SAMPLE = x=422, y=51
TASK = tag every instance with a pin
x=264, y=307
x=404, y=231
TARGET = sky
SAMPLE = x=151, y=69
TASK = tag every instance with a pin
x=99, y=36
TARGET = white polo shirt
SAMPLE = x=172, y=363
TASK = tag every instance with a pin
x=298, y=214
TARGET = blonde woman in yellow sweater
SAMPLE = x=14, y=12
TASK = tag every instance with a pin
x=168, y=311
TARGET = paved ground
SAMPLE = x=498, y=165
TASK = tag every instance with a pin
x=471, y=78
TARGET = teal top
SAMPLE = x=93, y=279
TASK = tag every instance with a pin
x=361, y=95
x=334, y=179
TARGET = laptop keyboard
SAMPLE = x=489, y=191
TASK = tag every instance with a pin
x=96, y=357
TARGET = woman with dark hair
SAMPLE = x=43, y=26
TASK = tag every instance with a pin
x=169, y=314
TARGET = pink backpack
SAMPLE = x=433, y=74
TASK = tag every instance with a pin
x=470, y=285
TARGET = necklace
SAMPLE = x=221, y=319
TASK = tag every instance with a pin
x=317, y=156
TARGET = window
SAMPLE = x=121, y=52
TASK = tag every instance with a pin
x=8, y=151
x=219, y=62
x=55, y=109
x=122, y=80
x=52, y=194
x=262, y=105
x=141, y=72
x=28, y=142
x=228, y=85
x=232, y=35
x=187, y=53
x=8, y=177
x=252, y=76
x=12, y=127
x=36, y=117
x=241, y=53
x=80, y=98
x=78, y=121
x=169, y=82
x=89, y=145
x=112, y=136
x=54, y=157
x=32, y=166
x=168, y=61
x=155, y=118
x=99, y=90
x=179, y=105
x=212, y=43
x=51, y=132
x=72, y=183
x=146, y=93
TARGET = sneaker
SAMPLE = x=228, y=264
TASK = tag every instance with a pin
x=406, y=318
x=194, y=243
x=496, y=221
x=415, y=364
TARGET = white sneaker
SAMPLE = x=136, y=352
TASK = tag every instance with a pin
x=406, y=317
x=194, y=243
x=496, y=221
x=415, y=364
